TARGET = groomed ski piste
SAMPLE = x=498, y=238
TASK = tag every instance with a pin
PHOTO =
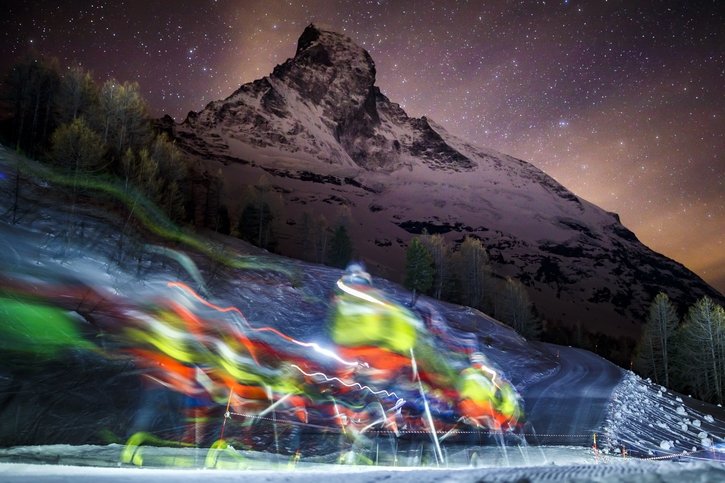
x=568, y=468
x=585, y=419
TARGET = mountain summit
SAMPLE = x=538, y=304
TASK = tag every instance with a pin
x=332, y=143
x=332, y=72
x=324, y=102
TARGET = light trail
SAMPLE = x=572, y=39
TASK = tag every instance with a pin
x=346, y=384
x=184, y=260
x=310, y=345
x=275, y=404
x=479, y=360
x=377, y=421
x=190, y=291
x=428, y=415
x=361, y=295
x=339, y=416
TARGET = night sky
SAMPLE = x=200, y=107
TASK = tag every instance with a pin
x=620, y=101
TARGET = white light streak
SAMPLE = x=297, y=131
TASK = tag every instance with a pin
x=360, y=295
x=347, y=384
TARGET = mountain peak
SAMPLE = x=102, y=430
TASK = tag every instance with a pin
x=310, y=34
x=325, y=98
x=329, y=69
x=327, y=47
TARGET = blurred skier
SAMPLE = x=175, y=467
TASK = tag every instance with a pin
x=363, y=316
x=486, y=398
x=390, y=340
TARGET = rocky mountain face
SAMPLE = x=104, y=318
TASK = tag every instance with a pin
x=323, y=104
x=333, y=144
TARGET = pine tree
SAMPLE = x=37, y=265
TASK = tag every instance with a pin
x=223, y=224
x=654, y=358
x=121, y=116
x=305, y=232
x=146, y=174
x=204, y=197
x=77, y=96
x=418, y=269
x=105, y=116
x=320, y=238
x=474, y=272
x=31, y=87
x=440, y=255
x=340, y=251
x=172, y=171
x=128, y=164
x=702, y=350
x=516, y=310
x=257, y=221
x=255, y=225
x=315, y=234
x=77, y=147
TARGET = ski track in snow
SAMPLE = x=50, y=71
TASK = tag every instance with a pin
x=631, y=472
x=571, y=403
x=651, y=420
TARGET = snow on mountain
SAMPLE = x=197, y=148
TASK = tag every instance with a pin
x=328, y=138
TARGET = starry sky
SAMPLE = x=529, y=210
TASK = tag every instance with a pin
x=621, y=101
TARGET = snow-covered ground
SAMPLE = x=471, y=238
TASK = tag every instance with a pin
x=65, y=463
x=642, y=412
x=631, y=471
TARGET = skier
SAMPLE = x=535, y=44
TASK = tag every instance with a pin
x=363, y=316
x=486, y=398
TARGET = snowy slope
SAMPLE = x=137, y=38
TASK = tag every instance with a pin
x=630, y=472
x=330, y=139
x=642, y=412
x=569, y=394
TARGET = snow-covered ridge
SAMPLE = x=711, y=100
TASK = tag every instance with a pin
x=322, y=106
